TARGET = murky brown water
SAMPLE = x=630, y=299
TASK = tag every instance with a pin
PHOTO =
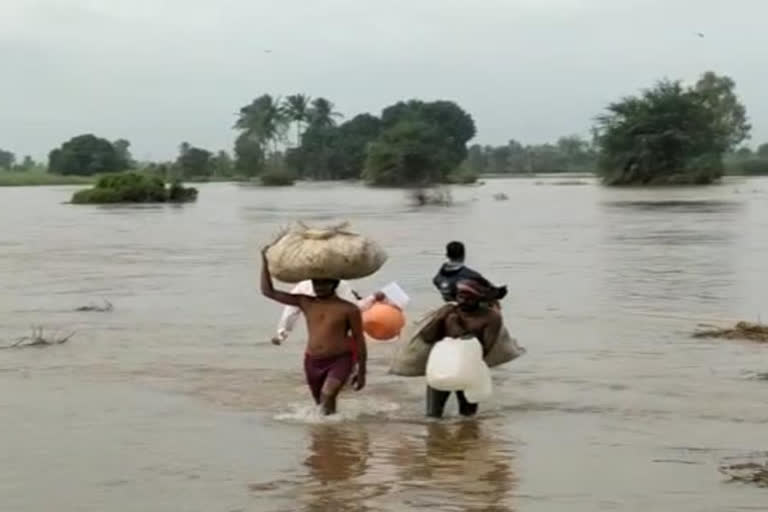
x=176, y=402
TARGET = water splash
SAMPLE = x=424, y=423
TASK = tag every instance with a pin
x=350, y=409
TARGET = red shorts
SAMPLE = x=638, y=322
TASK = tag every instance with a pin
x=319, y=369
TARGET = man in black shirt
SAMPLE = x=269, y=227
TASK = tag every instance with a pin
x=454, y=271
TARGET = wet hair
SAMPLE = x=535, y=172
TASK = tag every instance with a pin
x=455, y=251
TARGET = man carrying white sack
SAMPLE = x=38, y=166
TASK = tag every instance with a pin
x=343, y=291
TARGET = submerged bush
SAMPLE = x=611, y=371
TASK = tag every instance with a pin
x=134, y=188
x=277, y=177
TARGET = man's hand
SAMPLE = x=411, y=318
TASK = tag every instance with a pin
x=358, y=379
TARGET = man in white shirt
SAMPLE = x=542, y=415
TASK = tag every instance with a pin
x=292, y=313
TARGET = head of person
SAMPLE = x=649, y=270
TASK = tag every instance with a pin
x=324, y=287
x=470, y=293
x=455, y=252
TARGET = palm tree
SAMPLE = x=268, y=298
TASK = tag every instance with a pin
x=264, y=120
x=296, y=109
x=322, y=114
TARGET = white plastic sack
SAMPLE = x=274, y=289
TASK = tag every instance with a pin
x=455, y=364
x=484, y=388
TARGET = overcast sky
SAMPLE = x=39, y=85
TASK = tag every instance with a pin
x=159, y=72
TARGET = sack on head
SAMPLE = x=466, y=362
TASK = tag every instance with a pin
x=303, y=253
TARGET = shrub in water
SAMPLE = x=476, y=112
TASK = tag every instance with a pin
x=133, y=188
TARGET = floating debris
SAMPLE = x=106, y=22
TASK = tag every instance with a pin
x=742, y=331
x=435, y=197
x=106, y=307
x=563, y=182
x=747, y=472
x=39, y=339
x=501, y=196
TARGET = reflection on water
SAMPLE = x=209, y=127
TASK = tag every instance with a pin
x=451, y=466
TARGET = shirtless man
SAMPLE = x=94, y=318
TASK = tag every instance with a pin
x=336, y=347
x=471, y=316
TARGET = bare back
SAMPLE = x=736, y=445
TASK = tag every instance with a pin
x=329, y=322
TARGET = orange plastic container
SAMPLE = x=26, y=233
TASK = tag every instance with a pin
x=383, y=322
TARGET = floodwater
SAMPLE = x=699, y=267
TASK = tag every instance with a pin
x=175, y=401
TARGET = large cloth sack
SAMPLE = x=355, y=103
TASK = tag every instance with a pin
x=411, y=354
x=455, y=364
x=503, y=350
x=303, y=253
x=483, y=389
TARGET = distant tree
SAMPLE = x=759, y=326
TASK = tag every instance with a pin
x=194, y=162
x=729, y=124
x=297, y=109
x=351, y=148
x=518, y=157
x=499, y=161
x=26, y=165
x=670, y=134
x=250, y=155
x=84, y=155
x=322, y=113
x=744, y=152
x=122, y=147
x=454, y=125
x=762, y=150
x=477, y=159
x=262, y=124
x=410, y=153
x=7, y=159
x=222, y=165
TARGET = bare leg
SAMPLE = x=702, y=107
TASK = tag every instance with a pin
x=330, y=391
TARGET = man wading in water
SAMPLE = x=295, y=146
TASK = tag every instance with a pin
x=336, y=342
x=470, y=316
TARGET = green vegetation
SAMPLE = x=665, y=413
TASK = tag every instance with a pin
x=86, y=155
x=668, y=134
x=134, y=188
x=671, y=134
x=569, y=154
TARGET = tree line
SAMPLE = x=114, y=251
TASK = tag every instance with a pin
x=668, y=133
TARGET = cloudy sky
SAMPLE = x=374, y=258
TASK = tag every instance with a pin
x=159, y=72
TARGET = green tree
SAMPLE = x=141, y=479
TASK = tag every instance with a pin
x=84, y=155
x=477, y=159
x=670, y=134
x=263, y=121
x=194, y=162
x=410, y=153
x=250, y=156
x=499, y=159
x=222, y=165
x=26, y=165
x=297, y=109
x=729, y=124
x=7, y=159
x=122, y=147
x=322, y=113
x=351, y=145
x=453, y=124
x=762, y=150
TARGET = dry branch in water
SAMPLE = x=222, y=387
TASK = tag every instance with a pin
x=742, y=331
x=39, y=339
x=105, y=308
